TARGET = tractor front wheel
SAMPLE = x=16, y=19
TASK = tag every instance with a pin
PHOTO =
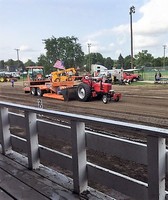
x=105, y=99
x=84, y=92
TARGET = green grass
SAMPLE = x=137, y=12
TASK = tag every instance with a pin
x=141, y=83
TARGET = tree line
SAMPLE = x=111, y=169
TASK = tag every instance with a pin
x=70, y=51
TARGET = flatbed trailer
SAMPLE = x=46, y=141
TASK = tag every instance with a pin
x=63, y=88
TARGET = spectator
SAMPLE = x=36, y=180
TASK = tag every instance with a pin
x=156, y=76
x=12, y=82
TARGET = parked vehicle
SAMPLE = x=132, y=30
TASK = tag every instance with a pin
x=35, y=80
x=130, y=77
x=7, y=76
x=60, y=86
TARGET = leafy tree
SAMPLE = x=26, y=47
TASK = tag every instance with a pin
x=10, y=62
x=120, y=61
x=11, y=65
x=2, y=65
x=166, y=61
x=97, y=58
x=20, y=66
x=127, y=62
x=157, y=62
x=44, y=61
x=66, y=49
x=93, y=58
x=108, y=62
x=144, y=59
x=29, y=63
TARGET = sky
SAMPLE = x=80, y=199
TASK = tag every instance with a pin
x=105, y=24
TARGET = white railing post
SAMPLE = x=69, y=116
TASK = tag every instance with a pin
x=32, y=140
x=156, y=167
x=79, y=156
x=5, y=136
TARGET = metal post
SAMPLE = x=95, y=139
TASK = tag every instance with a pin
x=32, y=140
x=17, y=51
x=156, y=148
x=164, y=49
x=89, y=45
x=132, y=10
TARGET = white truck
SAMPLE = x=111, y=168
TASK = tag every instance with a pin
x=98, y=69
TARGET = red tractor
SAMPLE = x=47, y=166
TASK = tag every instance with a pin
x=92, y=87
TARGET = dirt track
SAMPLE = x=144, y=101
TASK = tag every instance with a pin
x=139, y=104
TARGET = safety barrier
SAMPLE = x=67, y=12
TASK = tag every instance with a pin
x=153, y=154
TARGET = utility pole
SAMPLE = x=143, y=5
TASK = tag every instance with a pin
x=132, y=10
x=164, y=50
x=89, y=45
x=17, y=51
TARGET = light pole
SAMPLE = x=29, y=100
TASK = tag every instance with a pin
x=164, y=50
x=17, y=51
x=132, y=10
x=89, y=45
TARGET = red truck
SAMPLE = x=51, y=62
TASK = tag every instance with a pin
x=128, y=77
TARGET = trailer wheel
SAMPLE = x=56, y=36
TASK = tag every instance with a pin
x=105, y=99
x=84, y=92
x=39, y=92
x=33, y=91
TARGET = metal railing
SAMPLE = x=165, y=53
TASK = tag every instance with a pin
x=153, y=154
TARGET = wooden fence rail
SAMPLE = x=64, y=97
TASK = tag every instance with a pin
x=153, y=154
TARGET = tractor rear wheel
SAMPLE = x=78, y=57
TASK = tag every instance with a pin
x=84, y=92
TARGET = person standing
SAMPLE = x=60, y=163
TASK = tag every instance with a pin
x=12, y=82
x=160, y=75
x=156, y=76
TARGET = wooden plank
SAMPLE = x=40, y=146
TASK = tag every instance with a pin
x=62, y=180
x=17, y=189
x=5, y=196
x=31, y=182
